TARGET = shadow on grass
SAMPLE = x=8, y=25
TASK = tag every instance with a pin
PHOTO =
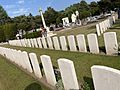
x=88, y=83
x=88, y=50
x=41, y=67
x=115, y=28
x=33, y=86
x=102, y=49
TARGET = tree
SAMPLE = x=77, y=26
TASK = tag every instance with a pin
x=50, y=16
x=104, y=6
x=84, y=9
x=10, y=30
x=2, y=35
x=94, y=8
x=3, y=16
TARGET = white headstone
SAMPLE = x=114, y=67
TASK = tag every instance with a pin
x=63, y=43
x=32, y=42
x=48, y=69
x=98, y=29
x=23, y=43
x=105, y=78
x=56, y=43
x=68, y=74
x=113, y=18
x=29, y=43
x=109, y=23
x=101, y=29
x=66, y=21
x=26, y=42
x=93, y=43
x=50, y=43
x=44, y=42
x=81, y=43
x=71, y=42
x=103, y=26
x=35, y=42
x=111, y=45
x=39, y=42
x=74, y=18
x=27, y=61
x=35, y=65
x=19, y=57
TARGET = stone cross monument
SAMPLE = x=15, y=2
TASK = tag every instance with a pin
x=43, y=20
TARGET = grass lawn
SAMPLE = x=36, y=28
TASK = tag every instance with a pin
x=82, y=61
x=79, y=30
x=92, y=29
x=12, y=78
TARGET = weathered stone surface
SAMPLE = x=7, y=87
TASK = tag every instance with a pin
x=68, y=74
x=44, y=42
x=35, y=42
x=29, y=43
x=48, y=69
x=26, y=61
x=63, y=43
x=56, y=43
x=71, y=42
x=105, y=78
x=50, y=43
x=98, y=29
x=93, y=43
x=35, y=65
x=32, y=42
x=81, y=43
x=39, y=42
x=101, y=29
x=111, y=45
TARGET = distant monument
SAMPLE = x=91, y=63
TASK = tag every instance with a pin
x=66, y=22
x=43, y=20
x=77, y=13
x=49, y=33
x=78, y=21
x=74, y=18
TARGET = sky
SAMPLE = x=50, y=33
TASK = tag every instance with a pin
x=20, y=7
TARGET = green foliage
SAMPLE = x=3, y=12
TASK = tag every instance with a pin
x=33, y=35
x=2, y=35
x=59, y=85
x=60, y=16
x=50, y=15
x=10, y=31
x=3, y=16
x=94, y=8
x=25, y=22
x=86, y=86
x=84, y=14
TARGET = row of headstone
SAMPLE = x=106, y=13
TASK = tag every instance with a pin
x=110, y=40
x=105, y=25
x=109, y=81
x=30, y=63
